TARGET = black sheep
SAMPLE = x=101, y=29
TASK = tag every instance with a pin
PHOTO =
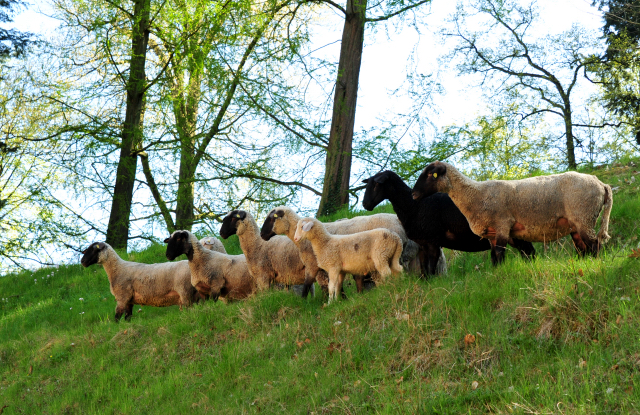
x=431, y=222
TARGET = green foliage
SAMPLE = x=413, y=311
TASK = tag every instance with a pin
x=556, y=333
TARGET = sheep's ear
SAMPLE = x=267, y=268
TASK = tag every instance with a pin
x=366, y=180
x=435, y=175
x=241, y=214
x=307, y=226
x=100, y=245
x=381, y=178
x=166, y=240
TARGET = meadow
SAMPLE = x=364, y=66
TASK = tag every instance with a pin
x=557, y=335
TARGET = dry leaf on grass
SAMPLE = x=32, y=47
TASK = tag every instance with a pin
x=635, y=253
x=469, y=339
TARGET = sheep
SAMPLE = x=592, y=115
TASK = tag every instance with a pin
x=213, y=273
x=158, y=285
x=282, y=221
x=432, y=222
x=213, y=243
x=537, y=209
x=274, y=261
x=377, y=250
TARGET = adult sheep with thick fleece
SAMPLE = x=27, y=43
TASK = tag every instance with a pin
x=537, y=209
x=212, y=273
x=270, y=262
x=377, y=250
x=158, y=285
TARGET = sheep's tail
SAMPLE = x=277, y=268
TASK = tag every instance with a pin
x=442, y=264
x=603, y=235
x=396, y=268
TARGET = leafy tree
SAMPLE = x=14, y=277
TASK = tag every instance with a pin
x=509, y=59
x=12, y=42
x=357, y=13
x=618, y=69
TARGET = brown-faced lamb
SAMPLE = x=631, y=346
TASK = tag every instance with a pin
x=377, y=250
x=282, y=221
x=536, y=209
x=213, y=243
x=158, y=285
x=212, y=273
x=270, y=262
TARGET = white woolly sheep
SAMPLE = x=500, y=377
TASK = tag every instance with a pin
x=537, y=209
x=213, y=243
x=377, y=250
x=276, y=261
x=158, y=285
x=212, y=273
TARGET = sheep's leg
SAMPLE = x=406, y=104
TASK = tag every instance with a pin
x=341, y=276
x=432, y=255
x=581, y=247
x=498, y=248
x=308, y=282
x=359, y=279
x=333, y=280
x=527, y=251
x=119, y=312
x=128, y=312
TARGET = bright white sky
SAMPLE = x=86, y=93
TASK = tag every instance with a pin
x=385, y=58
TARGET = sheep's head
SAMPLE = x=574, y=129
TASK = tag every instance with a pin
x=433, y=179
x=178, y=244
x=303, y=228
x=91, y=255
x=233, y=223
x=208, y=242
x=376, y=191
x=275, y=223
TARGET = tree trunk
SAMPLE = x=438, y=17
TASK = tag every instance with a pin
x=335, y=191
x=568, y=125
x=118, y=228
x=186, y=113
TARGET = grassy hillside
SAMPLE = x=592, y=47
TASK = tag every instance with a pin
x=556, y=335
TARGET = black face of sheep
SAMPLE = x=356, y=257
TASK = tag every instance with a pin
x=267, y=232
x=91, y=254
x=375, y=192
x=426, y=185
x=228, y=227
x=178, y=244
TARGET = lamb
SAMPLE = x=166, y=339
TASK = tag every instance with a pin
x=270, y=262
x=158, y=285
x=377, y=250
x=282, y=221
x=432, y=222
x=213, y=243
x=537, y=209
x=212, y=273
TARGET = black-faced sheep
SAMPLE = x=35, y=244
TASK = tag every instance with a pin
x=361, y=253
x=158, y=285
x=274, y=261
x=433, y=222
x=537, y=209
x=212, y=273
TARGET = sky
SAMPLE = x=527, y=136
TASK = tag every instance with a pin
x=385, y=56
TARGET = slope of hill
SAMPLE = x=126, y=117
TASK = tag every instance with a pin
x=556, y=335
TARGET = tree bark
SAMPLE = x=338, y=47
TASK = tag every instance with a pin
x=118, y=228
x=335, y=192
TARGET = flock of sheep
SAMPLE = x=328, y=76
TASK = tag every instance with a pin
x=444, y=209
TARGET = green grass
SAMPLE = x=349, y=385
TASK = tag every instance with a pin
x=557, y=335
